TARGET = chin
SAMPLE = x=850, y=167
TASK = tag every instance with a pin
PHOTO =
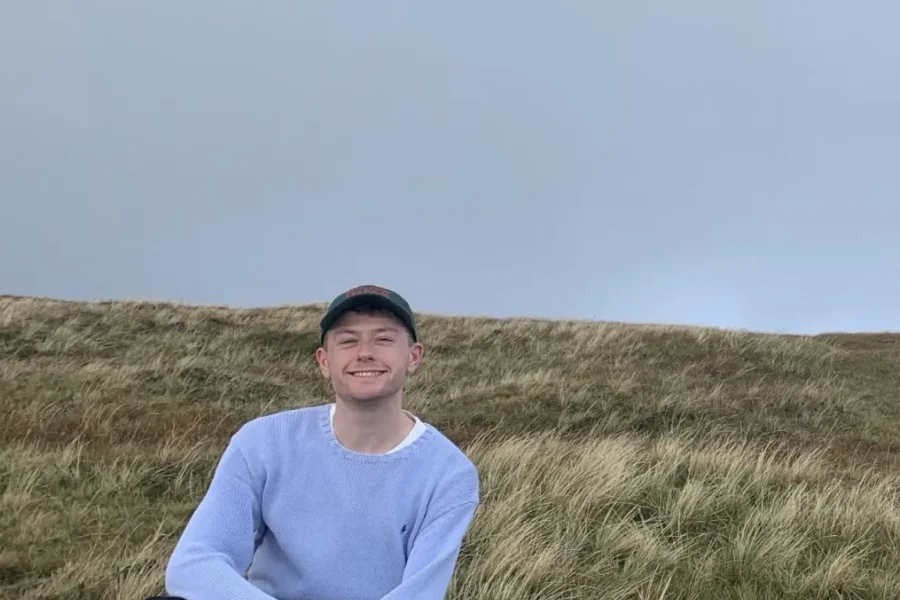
x=370, y=395
x=365, y=397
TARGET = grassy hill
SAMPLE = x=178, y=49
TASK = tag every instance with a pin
x=618, y=461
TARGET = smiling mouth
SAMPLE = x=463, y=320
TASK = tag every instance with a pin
x=363, y=374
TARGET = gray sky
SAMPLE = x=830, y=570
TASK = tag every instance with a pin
x=720, y=163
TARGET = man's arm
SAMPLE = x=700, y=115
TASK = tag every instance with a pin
x=432, y=560
x=214, y=551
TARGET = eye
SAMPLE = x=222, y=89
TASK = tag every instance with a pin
x=385, y=338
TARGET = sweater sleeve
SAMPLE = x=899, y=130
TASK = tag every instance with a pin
x=211, y=558
x=432, y=559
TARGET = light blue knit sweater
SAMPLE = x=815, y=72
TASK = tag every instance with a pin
x=291, y=514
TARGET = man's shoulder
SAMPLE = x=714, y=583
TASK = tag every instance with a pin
x=448, y=449
x=455, y=468
x=450, y=478
x=267, y=427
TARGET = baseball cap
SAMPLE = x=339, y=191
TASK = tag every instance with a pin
x=369, y=295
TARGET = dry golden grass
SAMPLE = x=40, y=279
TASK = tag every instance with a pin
x=618, y=461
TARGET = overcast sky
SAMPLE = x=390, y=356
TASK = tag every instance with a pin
x=734, y=164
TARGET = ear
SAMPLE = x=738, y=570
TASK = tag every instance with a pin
x=416, y=353
x=322, y=361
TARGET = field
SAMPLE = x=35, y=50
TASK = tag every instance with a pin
x=617, y=461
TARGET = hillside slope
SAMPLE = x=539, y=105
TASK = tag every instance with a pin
x=114, y=415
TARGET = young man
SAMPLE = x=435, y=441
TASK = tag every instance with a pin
x=353, y=500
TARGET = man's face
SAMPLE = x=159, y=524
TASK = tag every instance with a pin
x=368, y=356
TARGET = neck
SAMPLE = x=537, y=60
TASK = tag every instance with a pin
x=371, y=426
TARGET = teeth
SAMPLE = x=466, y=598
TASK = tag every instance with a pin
x=366, y=373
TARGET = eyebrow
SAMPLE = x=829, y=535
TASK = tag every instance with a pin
x=345, y=330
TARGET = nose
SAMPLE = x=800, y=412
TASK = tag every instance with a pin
x=364, y=349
